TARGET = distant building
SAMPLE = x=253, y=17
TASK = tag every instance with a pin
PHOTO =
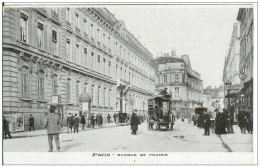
x=184, y=83
x=213, y=99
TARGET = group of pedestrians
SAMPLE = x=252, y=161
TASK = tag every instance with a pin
x=73, y=122
x=96, y=120
x=245, y=120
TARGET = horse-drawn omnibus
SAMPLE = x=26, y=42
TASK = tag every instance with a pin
x=160, y=111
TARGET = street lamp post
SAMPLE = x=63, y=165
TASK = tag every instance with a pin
x=230, y=112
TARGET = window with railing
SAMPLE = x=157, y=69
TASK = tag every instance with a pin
x=68, y=17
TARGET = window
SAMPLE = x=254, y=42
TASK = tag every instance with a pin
x=78, y=59
x=104, y=97
x=177, y=92
x=116, y=70
x=86, y=56
x=92, y=31
x=41, y=85
x=164, y=78
x=25, y=79
x=85, y=27
x=104, y=39
x=98, y=60
x=77, y=21
x=109, y=98
x=108, y=42
x=68, y=95
x=109, y=68
x=93, y=60
x=54, y=85
x=92, y=92
x=68, y=48
x=77, y=92
x=176, y=77
x=183, y=78
x=24, y=27
x=121, y=72
x=104, y=68
x=68, y=21
x=98, y=99
x=40, y=35
x=54, y=42
x=98, y=33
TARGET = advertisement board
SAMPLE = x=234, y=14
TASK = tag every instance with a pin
x=16, y=122
x=165, y=108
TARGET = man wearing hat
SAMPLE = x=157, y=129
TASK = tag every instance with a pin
x=53, y=126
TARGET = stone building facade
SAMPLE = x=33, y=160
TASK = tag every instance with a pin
x=231, y=70
x=184, y=83
x=52, y=55
x=246, y=17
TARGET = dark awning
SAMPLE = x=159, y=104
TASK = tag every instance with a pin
x=231, y=95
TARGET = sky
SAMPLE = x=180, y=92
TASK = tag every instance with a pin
x=201, y=31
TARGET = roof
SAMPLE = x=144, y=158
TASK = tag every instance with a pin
x=163, y=60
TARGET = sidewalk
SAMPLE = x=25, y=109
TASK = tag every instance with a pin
x=43, y=132
x=237, y=141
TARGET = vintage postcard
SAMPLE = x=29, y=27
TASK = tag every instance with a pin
x=129, y=83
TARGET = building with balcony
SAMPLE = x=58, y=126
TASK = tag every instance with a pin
x=52, y=55
x=184, y=83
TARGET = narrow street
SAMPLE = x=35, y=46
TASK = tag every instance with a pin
x=184, y=138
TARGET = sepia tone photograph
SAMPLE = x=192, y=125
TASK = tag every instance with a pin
x=121, y=79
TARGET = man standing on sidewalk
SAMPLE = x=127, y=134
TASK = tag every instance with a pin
x=31, y=121
x=6, y=128
x=53, y=129
x=76, y=123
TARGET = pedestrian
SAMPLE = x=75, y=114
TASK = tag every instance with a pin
x=83, y=121
x=220, y=123
x=108, y=118
x=114, y=116
x=207, y=124
x=6, y=128
x=53, y=129
x=70, y=121
x=76, y=123
x=250, y=121
x=31, y=122
x=135, y=121
x=93, y=119
x=100, y=120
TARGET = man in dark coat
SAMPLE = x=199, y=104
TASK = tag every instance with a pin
x=114, y=116
x=31, y=121
x=76, y=123
x=108, y=118
x=220, y=123
x=93, y=119
x=207, y=124
x=70, y=120
x=250, y=121
x=53, y=129
x=83, y=121
x=6, y=130
x=135, y=121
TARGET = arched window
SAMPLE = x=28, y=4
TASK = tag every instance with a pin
x=68, y=94
x=25, y=82
x=41, y=84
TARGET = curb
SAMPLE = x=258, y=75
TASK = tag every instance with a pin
x=64, y=132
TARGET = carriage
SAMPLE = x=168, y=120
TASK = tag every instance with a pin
x=160, y=112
